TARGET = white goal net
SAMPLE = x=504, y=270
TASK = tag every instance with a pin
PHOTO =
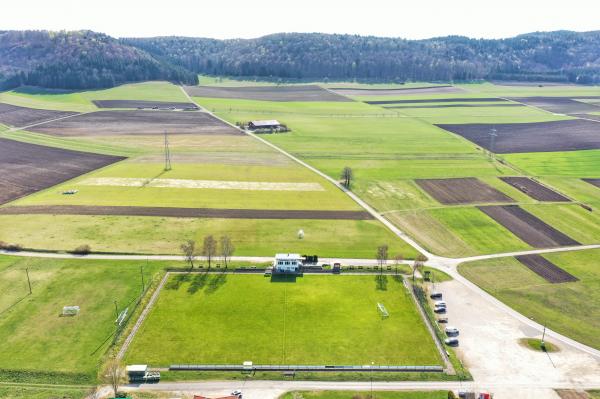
x=382, y=310
x=70, y=310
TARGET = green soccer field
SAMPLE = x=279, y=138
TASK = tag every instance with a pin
x=229, y=319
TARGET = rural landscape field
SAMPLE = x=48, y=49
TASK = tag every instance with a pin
x=294, y=215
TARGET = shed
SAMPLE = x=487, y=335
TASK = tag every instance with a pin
x=267, y=124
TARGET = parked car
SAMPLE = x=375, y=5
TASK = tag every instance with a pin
x=450, y=330
x=237, y=393
x=451, y=341
x=440, y=304
x=442, y=320
x=439, y=309
x=436, y=295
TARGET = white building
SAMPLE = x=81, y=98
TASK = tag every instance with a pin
x=287, y=263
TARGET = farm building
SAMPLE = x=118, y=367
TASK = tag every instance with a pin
x=287, y=263
x=270, y=124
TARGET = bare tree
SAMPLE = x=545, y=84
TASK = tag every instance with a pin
x=398, y=259
x=347, y=176
x=189, y=252
x=382, y=255
x=209, y=249
x=227, y=249
x=114, y=375
x=418, y=265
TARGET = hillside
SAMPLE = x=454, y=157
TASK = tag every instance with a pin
x=78, y=60
x=552, y=56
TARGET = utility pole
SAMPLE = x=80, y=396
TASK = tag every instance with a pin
x=28, y=280
x=167, y=153
x=142, y=273
x=116, y=309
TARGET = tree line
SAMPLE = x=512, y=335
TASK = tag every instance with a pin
x=210, y=250
x=561, y=56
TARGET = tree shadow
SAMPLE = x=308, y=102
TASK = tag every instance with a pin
x=175, y=282
x=216, y=282
x=381, y=282
x=197, y=283
x=283, y=278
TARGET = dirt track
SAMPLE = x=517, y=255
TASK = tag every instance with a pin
x=142, y=104
x=567, y=135
x=184, y=212
x=534, y=189
x=104, y=123
x=527, y=227
x=27, y=168
x=21, y=116
x=546, y=269
x=559, y=105
x=267, y=93
x=439, y=100
x=467, y=190
x=397, y=92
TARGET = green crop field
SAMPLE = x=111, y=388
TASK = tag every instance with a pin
x=564, y=308
x=81, y=101
x=157, y=235
x=315, y=319
x=36, y=343
x=365, y=395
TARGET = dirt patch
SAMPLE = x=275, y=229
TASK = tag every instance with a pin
x=588, y=116
x=546, y=269
x=201, y=184
x=439, y=100
x=26, y=168
x=104, y=123
x=267, y=93
x=572, y=394
x=467, y=190
x=595, y=182
x=559, y=105
x=21, y=116
x=527, y=227
x=568, y=135
x=347, y=91
x=534, y=189
x=458, y=106
x=145, y=104
x=184, y=212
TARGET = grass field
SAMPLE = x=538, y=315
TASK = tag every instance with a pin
x=565, y=308
x=156, y=235
x=364, y=395
x=81, y=101
x=199, y=318
x=38, y=345
x=25, y=392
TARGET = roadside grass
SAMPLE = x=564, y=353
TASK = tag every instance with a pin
x=81, y=101
x=156, y=235
x=28, y=392
x=198, y=319
x=536, y=345
x=566, y=308
x=38, y=345
x=364, y=395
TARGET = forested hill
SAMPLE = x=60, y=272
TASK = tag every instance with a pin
x=551, y=56
x=78, y=60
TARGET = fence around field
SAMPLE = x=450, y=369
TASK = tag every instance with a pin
x=299, y=368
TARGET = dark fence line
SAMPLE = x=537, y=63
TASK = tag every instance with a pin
x=235, y=367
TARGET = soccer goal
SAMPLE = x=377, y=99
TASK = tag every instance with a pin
x=70, y=311
x=382, y=310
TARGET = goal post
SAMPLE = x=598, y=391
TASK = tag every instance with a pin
x=382, y=310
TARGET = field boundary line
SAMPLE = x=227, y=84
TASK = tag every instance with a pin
x=142, y=317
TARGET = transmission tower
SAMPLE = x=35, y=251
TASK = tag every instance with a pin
x=167, y=153
x=493, y=133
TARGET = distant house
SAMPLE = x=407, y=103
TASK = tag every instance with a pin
x=270, y=124
x=287, y=263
